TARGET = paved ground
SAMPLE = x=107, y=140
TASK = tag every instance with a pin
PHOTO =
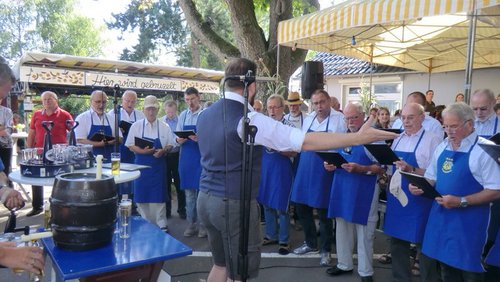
x=195, y=268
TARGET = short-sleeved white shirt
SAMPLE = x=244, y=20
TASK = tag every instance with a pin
x=484, y=169
x=430, y=124
x=150, y=131
x=423, y=154
x=85, y=120
x=134, y=115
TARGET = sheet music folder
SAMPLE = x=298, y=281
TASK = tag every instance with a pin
x=143, y=143
x=125, y=125
x=332, y=158
x=496, y=138
x=422, y=183
x=383, y=153
x=184, y=133
x=492, y=149
x=98, y=137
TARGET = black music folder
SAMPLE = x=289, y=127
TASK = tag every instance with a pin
x=496, y=138
x=393, y=130
x=422, y=183
x=332, y=158
x=493, y=150
x=383, y=153
x=98, y=137
x=143, y=143
x=184, y=133
x=125, y=126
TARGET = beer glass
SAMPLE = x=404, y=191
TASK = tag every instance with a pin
x=115, y=163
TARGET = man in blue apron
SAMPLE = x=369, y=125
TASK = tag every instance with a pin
x=406, y=215
x=311, y=187
x=354, y=201
x=189, y=160
x=276, y=184
x=221, y=150
x=96, y=121
x=149, y=188
x=172, y=158
x=128, y=114
x=430, y=124
x=487, y=124
x=468, y=180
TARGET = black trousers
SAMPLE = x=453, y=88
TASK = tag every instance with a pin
x=37, y=195
x=6, y=156
x=172, y=160
x=452, y=274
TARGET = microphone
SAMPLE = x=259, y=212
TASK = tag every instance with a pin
x=250, y=79
x=117, y=87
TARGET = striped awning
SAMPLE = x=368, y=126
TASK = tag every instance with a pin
x=423, y=35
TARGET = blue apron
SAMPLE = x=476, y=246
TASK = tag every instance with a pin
x=275, y=180
x=407, y=223
x=126, y=155
x=493, y=257
x=352, y=193
x=189, y=162
x=457, y=236
x=150, y=186
x=103, y=129
x=312, y=183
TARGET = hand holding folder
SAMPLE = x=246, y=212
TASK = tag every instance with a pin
x=98, y=137
x=184, y=133
x=422, y=183
x=333, y=158
x=143, y=143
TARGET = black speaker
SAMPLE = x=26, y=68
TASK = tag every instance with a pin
x=312, y=78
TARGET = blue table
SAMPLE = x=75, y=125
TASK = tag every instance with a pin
x=147, y=246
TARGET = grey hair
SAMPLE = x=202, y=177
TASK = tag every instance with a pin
x=54, y=95
x=97, y=92
x=130, y=92
x=277, y=97
x=356, y=106
x=461, y=110
x=487, y=93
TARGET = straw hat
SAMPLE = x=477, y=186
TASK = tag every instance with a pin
x=151, y=101
x=294, y=99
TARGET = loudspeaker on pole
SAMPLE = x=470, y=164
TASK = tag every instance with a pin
x=312, y=78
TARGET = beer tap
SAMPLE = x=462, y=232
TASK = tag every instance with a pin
x=71, y=125
x=47, y=141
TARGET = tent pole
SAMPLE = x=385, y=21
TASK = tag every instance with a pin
x=470, y=52
x=371, y=73
x=430, y=74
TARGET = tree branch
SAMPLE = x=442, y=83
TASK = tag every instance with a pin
x=220, y=47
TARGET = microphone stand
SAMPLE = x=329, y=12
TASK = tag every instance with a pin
x=248, y=138
x=116, y=108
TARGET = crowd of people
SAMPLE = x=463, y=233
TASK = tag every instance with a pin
x=456, y=235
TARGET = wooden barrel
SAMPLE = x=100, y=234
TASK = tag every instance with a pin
x=83, y=211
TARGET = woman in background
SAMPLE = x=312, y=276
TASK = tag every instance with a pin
x=383, y=118
x=460, y=97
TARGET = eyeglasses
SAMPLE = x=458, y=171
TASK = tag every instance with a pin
x=272, y=108
x=351, y=118
x=453, y=128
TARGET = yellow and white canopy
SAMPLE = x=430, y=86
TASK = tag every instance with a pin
x=423, y=35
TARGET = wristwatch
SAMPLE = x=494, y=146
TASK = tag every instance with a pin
x=463, y=202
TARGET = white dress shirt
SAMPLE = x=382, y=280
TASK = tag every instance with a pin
x=85, y=120
x=487, y=127
x=134, y=116
x=150, y=131
x=6, y=117
x=484, y=168
x=423, y=154
x=335, y=123
x=430, y=124
x=270, y=133
x=296, y=121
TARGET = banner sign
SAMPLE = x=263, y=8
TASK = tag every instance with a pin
x=96, y=79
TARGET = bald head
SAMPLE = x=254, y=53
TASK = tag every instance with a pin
x=482, y=103
x=49, y=102
x=413, y=116
x=258, y=106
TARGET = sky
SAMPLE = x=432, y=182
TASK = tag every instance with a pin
x=101, y=11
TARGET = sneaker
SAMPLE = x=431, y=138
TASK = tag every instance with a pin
x=304, y=249
x=325, y=259
x=202, y=232
x=284, y=249
x=191, y=230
